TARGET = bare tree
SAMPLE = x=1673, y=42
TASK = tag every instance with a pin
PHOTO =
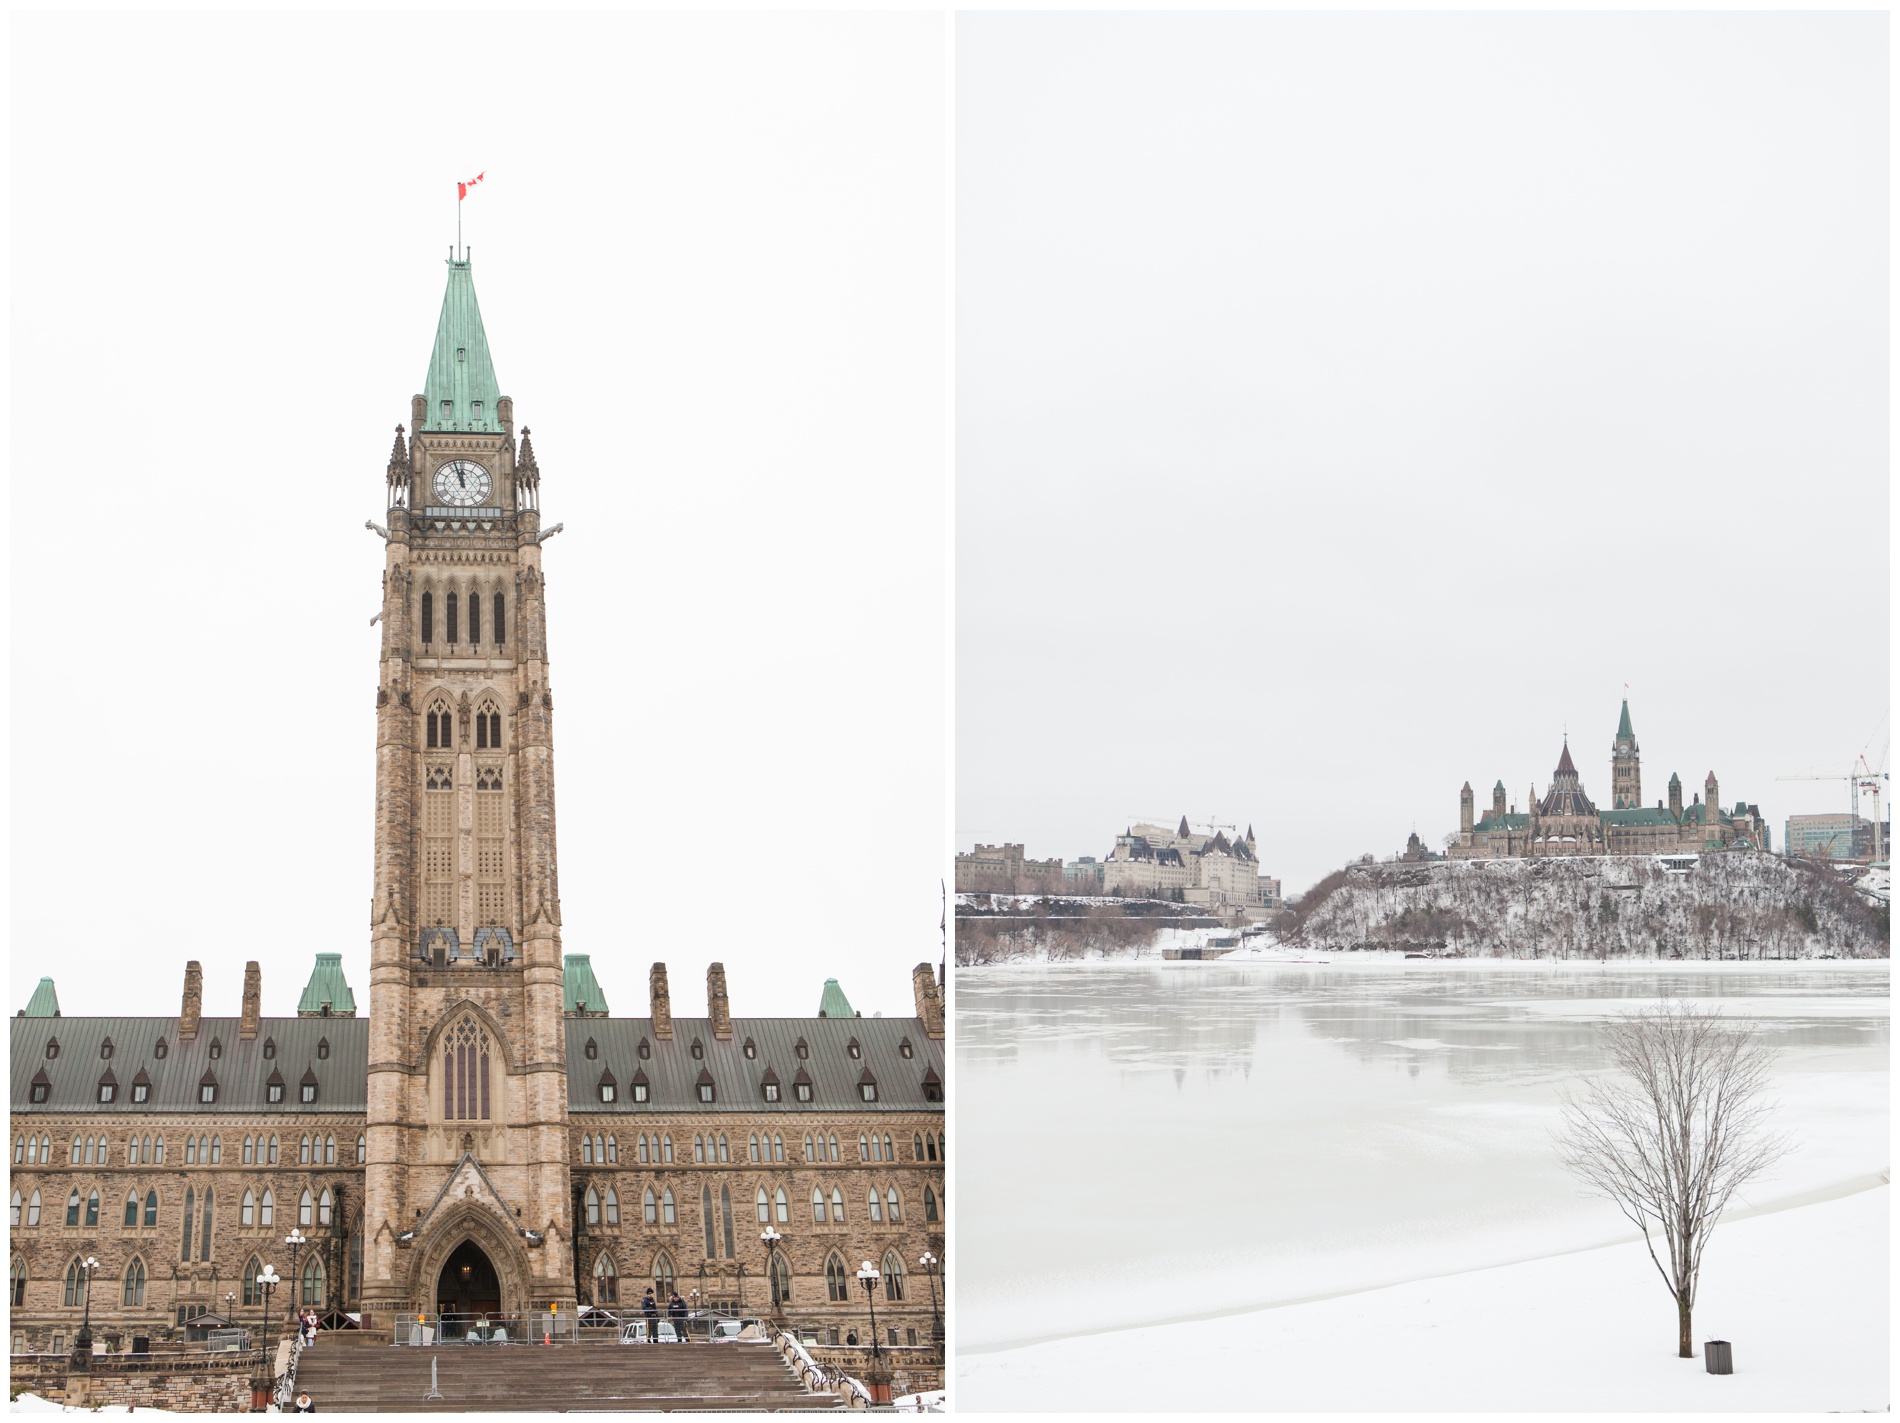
x=1673, y=1137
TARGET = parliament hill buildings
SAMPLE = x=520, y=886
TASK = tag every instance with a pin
x=1565, y=821
x=488, y=1138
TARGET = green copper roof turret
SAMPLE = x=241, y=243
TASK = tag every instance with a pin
x=832, y=1003
x=461, y=391
x=580, y=990
x=328, y=993
x=1623, y=732
x=45, y=1002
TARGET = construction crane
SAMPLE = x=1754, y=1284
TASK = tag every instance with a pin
x=1862, y=779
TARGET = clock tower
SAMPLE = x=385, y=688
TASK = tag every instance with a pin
x=467, y=1086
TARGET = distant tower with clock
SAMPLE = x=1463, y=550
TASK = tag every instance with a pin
x=467, y=1088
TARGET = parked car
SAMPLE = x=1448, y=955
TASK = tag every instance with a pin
x=725, y=1330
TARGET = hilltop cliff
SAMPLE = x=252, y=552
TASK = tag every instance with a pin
x=1740, y=904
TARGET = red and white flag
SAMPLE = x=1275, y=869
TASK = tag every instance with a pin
x=461, y=189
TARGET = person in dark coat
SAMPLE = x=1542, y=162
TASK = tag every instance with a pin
x=303, y=1404
x=650, y=1307
x=676, y=1307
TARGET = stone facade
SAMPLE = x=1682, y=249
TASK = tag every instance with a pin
x=455, y=1128
x=1208, y=869
x=1005, y=869
x=1565, y=821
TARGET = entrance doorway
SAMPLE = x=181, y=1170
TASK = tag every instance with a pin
x=467, y=1289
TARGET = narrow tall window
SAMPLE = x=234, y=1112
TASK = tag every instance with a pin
x=475, y=619
x=184, y=1251
x=491, y=820
x=465, y=1094
x=428, y=618
x=204, y=1236
x=499, y=637
x=151, y=1207
x=448, y=620
x=135, y=1282
x=438, y=843
x=706, y=1217
x=725, y=1216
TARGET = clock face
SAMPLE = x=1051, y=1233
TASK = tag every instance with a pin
x=462, y=482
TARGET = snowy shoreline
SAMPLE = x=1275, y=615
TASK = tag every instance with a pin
x=1284, y=958
x=1801, y=1293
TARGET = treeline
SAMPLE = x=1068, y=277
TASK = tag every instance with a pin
x=1734, y=905
x=1002, y=930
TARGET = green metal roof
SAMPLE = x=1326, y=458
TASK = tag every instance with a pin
x=1519, y=821
x=1674, y=779
x=45, y=1003
x=327, y=985
x=578, y=986
x=1499, y=786
x=1644, y=815
x=1623, y=732
x=460, y=371
x=832, y=1003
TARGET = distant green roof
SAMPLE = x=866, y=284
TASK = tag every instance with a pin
x=45, y=1002
x=1645, y=815
x=1499, y=786
x=327, y=985
x=460, y=370
x=1503, y=822
x=832, y=1003
x=1623, y=732
x=578, y=986
x=1674, y=779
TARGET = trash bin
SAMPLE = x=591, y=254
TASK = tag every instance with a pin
x=1716, y=1358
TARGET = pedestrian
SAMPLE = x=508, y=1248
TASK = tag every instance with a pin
x=304, y=1405
x=676, y=1307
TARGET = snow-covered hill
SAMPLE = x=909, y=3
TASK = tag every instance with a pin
x=1733, y=905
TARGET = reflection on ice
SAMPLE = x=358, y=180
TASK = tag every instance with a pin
x=1160, y=1141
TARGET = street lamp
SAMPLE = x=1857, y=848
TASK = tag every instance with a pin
x=771, y=1239
x=868, y=1277
x=296, y=1240
x=266, y=1282
x=930, y=1263
x=84, y=1343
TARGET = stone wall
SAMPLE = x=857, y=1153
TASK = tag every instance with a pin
x=202, y=1386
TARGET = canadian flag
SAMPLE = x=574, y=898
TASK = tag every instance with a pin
x=461, y=189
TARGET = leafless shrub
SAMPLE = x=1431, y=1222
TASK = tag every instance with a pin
x=1672, y=1137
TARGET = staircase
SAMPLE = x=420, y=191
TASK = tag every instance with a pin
x=365, y=1376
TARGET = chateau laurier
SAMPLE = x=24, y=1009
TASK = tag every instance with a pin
x=488, y=1140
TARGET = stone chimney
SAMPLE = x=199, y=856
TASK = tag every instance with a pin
x=253, y=992
x=193, y=1005
x=923, y=984
x=662, y=1003
x=717, y=1008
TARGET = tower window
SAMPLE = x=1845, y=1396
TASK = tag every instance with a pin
x=428, y=618
x=476, y=406
x=461, y=354
x=500, y=638
x=448, y=621
x=475, y=604
x=448, y=410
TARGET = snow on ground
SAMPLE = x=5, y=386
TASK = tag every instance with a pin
x=33, y=1403
x=1801, y=1294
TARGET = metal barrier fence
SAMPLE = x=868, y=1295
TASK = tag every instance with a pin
x=563, y=1325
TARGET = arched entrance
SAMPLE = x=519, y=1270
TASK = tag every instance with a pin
x=468, y=1286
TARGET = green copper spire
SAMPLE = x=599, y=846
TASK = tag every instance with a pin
x=461, y=391
x=1623, y=732
x=45, y=1002
x=580, y=990
x=832, y=1003
x=327, y=988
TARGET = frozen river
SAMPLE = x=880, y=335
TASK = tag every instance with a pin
x=1152, y=1142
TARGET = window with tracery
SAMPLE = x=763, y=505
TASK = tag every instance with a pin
x=438, y=845
x=491, y=821
x=465, y=1073
x=440, y=724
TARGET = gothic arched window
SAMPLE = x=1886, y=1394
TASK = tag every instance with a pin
x=253, y=1292
x=706, y=1218
x=499, y=633
x=606, y=1278
x=465, y=1091
x=428, y=618
x=448, y=621
x=893, y=1277
x=837, y=1282
x=593, y=1206
x=135, y=1282
x=313, y=1282
x=151, y=1207
x=19, y=1282
x=475, y=619
x=650, y=1208
x=662, y=1275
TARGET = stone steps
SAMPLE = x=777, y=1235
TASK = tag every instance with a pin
x=361, y=1377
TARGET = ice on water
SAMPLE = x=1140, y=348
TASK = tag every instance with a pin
x=1171, y=1141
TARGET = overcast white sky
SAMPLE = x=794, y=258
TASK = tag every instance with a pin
x=710, y=252
x=1349, y=403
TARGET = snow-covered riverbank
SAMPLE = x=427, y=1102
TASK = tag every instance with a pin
x=1801, y=1294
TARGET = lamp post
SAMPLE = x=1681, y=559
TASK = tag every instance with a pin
x=82, y=1347
x=296, y=1240
x=230, y=1315
x=930, y=1263
x=879, y=1380
x=771, y=1239
x=260, y=1386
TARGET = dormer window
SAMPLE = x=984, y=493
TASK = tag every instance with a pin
x=867, y=1086
x=801, y=1086
x=52, y=1048
x=308, y=1087
x=42, y=1086
x=853, y=1050
x=207, y=1089
x=933, y=1086
x=323, y=1045
x=461, y=354
x=476, y=407
x=699, y=1050
x=904, y=1048
x=707, y=1092
x=751, y=1049
x=141, y=1093
x=800, y=1050
x=448, y=410
x=105, y=1048
x=159, y=1049
x=607, y=1087
x=645, y=1050
x=217, y=1049
x=270, y=1048
x=639, y=1086
x=274, y=1087
x=108, y=1087
x=592, y=1050
x=768, y=1085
